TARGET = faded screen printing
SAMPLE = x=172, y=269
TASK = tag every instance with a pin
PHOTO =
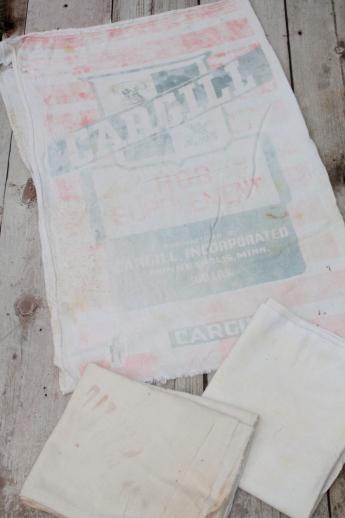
x=178, y=189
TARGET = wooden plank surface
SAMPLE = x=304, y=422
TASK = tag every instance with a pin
x=337, y=497
x=16, y=17
x=337, y=491
x=31, y=402
x=316, y=36
x=46, y=15
x=339, y=22
x=317, y=78
x=125, y=9
x=159, y=6
x=5, y=146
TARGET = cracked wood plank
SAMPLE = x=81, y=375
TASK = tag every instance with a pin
x=5, y=146
x=317, y=78
x=15, y=18
x=31, y=402
x=337, y=491
x=339, y=21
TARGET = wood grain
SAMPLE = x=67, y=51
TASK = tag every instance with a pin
x=246, y=506
x=16, y=16
x=339, y=22
x=317, y=78
x=159, y=6
x=31, y=402
x=322, y=510
x=125, y=9
x=337, y=497
x=5, y=146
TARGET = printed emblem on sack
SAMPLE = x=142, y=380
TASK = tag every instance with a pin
x=194, y=201
x=168, y=112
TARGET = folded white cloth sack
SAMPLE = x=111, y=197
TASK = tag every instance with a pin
x=292, y=374
x=168, y=155
x=124, y=449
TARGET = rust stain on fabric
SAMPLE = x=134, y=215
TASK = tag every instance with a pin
x=101, y=401
x=276, y=216
x=132, y=453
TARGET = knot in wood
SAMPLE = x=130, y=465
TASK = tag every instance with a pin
x=26, y=305
x=29, y=193
x=340, y=49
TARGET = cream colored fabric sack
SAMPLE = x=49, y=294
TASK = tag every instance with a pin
x=291, y=373
x=177, y=189
x=124, y=449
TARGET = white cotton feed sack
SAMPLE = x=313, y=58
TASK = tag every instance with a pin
x=168, y=155
x=291, y=373
x=129, y=450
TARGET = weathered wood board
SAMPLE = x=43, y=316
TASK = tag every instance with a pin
x=125, y=10
x=15, y=16
x=31, y=402
x=317, y=78
x=308, y=38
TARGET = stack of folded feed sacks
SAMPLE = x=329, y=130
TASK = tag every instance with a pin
x=142, y=451
x=291, y=373
x=126, y=449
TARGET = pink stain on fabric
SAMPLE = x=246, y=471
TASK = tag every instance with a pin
x=334, y=323
x=139, y=366
x=101, y=363
x=66, y=190
x=168, y=23
x=57, y=122
x=68, y=94
x=170, y=47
